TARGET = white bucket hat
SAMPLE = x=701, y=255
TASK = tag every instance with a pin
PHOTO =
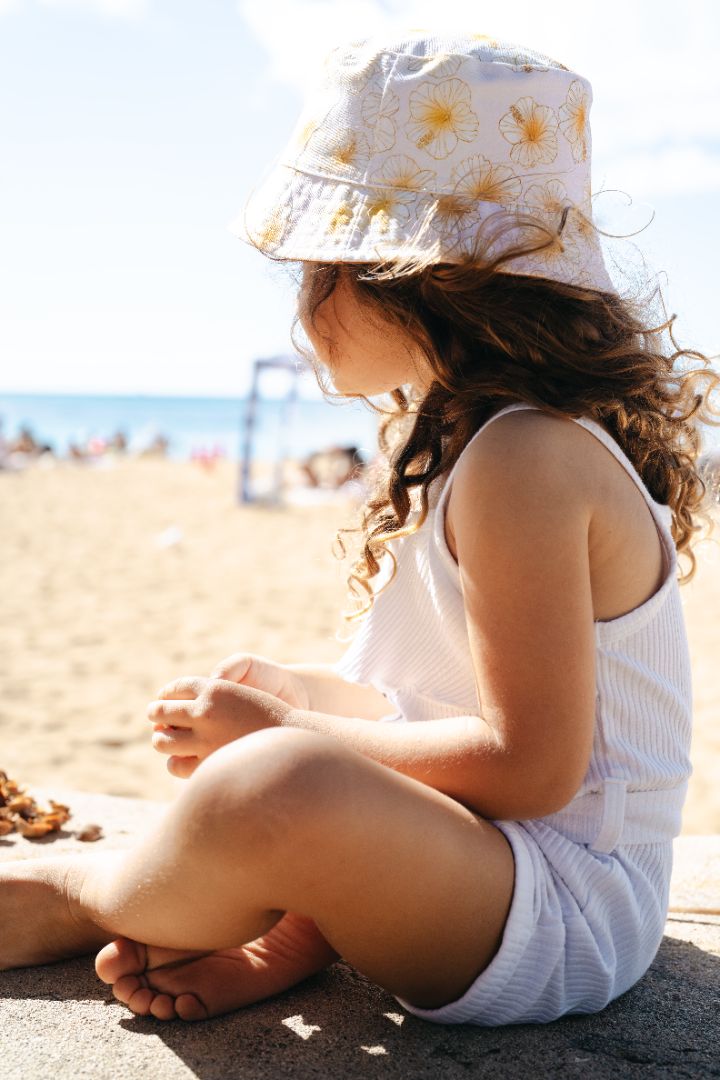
x=407, y=148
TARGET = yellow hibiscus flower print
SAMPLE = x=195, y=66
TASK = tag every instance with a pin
x=351, y=151
x=339, y=219
x=492, y=42
x=480, y=180
x=387, y=205
x=306, y=132
x=582, y=224
x=575, y=126
x=550, y=197
x=455, y=220
x=342, y=151
x=561, y=257
x=441, y=117
x=532, y=130
x=272, y=230
x=401, y=171
x=377, y=111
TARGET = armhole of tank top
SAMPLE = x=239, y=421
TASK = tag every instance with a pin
x=656, y=509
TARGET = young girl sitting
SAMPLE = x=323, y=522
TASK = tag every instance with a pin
x=507, y=859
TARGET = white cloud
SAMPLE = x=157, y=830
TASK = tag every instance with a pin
x=654, y=81
x=297, y=34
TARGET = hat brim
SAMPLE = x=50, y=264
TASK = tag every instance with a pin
x=302, y=217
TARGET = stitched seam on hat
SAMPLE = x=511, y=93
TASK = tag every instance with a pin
x=419, y=191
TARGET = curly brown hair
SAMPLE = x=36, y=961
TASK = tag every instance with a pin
x=493, y=338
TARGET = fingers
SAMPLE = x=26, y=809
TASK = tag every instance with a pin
x=181, y=741
x=234, y=668
x=170, y=713
x=185, y=689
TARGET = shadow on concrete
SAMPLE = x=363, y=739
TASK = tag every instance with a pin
x=668, y=1021
x=68, y=980
x=338, y=1024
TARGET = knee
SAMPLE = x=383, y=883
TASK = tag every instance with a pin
x=271, y=780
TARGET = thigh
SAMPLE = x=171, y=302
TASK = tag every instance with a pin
x=408, y=885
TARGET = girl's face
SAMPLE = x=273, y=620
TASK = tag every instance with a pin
x=364, y=353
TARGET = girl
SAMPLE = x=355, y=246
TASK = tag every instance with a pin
x=508, y=859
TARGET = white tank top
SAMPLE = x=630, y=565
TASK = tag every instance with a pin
x=413, y=646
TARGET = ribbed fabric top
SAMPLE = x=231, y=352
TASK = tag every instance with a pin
x=413, y=646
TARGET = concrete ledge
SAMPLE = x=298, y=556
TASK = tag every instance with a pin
x=59, y=1021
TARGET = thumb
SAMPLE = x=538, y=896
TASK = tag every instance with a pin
x=233, y=668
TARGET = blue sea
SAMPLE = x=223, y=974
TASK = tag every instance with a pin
x=191, y=424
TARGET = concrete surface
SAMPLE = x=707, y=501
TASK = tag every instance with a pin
x=60, y=1022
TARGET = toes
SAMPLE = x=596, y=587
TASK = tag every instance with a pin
x=141, y=1001
x=126, y=986
x=189, y=1007
x=162, y=1007
x=120, y=958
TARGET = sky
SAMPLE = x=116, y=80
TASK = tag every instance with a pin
x=132, y=131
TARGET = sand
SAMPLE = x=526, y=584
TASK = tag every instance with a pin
x=115, y=580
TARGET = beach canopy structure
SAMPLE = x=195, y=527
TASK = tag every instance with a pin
x=293, y=365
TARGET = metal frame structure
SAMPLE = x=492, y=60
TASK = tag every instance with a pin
x=293, y=365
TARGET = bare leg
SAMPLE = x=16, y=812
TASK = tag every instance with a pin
x=405, y=883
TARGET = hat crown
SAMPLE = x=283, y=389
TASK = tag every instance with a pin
x=407, y=146
x=437, y=101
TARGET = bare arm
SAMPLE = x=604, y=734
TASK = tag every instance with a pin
x=329, y=693
x=521, y=528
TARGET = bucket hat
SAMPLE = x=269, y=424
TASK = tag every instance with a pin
x=418, y=148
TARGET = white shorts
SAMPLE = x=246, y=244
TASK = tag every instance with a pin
x=583, y=927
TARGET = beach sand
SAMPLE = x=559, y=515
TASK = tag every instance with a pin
x=115, y=580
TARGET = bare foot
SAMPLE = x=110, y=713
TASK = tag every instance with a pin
x=169, y=985
x=39, y=923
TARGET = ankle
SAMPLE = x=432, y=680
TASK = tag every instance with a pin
x=79, y=894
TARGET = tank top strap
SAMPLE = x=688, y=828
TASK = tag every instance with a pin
x=662, y=514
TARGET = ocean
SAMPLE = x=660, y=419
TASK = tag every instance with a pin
x=195, y=424
x=191, y=424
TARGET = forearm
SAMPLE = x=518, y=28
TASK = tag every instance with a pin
x=459, y=756
x=329, y=693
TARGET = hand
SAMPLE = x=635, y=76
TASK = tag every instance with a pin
x=264, y=674
x=194, y=716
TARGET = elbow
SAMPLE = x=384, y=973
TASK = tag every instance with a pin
x=547, y=795
x=521, y=798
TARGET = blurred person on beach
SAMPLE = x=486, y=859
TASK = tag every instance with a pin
x=475, y=806
x=25, y=449
x=333, y=466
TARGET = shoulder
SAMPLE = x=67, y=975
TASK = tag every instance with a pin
x=524, y=463
x=521, y=438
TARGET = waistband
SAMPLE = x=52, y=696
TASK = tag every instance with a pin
x=615, y=817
